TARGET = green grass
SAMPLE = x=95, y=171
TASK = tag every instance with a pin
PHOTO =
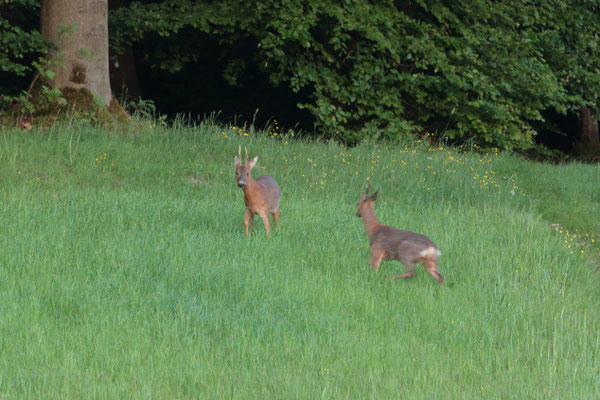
x=122, y=278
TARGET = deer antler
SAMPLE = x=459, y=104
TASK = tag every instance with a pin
x=367, y=188
x=246, y=154
x=240, y=152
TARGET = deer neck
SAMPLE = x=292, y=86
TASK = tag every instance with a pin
x=370, y=220
x=250, y=187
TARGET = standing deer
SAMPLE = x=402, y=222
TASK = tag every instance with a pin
x=261, y=195
x=388, y=243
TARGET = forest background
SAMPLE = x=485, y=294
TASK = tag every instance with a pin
x=512, y=75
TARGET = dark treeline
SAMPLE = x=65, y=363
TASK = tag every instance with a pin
x=505, y=74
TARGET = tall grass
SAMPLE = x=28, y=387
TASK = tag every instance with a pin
x=125, y=272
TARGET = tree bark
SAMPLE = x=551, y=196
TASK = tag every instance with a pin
x=85, y=52
x=590, y=139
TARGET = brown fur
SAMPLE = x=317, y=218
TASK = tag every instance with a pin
x=388, y=243
x=261, y=196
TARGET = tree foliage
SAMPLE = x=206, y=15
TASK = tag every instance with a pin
x=476, y=70
x=569, y=37
x=21, y=46
x=480, y=70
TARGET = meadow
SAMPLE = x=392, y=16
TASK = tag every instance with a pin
x=125, y=272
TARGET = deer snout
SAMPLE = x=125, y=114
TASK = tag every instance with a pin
x=241, y=184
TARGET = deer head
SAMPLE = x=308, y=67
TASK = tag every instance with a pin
x=365, y=200
x=242, y=170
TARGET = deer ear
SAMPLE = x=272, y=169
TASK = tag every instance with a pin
x=237, y=161
x=374, y=195
x=253, y=162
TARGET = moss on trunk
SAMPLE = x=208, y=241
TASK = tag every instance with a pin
x=80, y=103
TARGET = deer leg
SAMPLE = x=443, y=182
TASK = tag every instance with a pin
x=265, y=219
x=432, y=267
x=410, y=272
x=276, y=218
x=248, y=220
x=376, y=257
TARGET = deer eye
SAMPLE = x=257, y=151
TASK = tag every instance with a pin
x=247, y=173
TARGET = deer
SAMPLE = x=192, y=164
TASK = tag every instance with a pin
x=388, y=243
x=261, y=196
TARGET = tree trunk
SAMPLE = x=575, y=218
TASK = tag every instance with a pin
x=83, y=53
x=590, y=140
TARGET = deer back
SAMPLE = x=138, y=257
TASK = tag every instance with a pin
x=269, y=191
x=403, y=245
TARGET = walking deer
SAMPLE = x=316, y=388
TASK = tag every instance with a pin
x=388, y=243
x=261, y=195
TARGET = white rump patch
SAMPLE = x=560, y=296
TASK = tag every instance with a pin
x=430, y=252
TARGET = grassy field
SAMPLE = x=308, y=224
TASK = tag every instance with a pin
x=125, y=272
